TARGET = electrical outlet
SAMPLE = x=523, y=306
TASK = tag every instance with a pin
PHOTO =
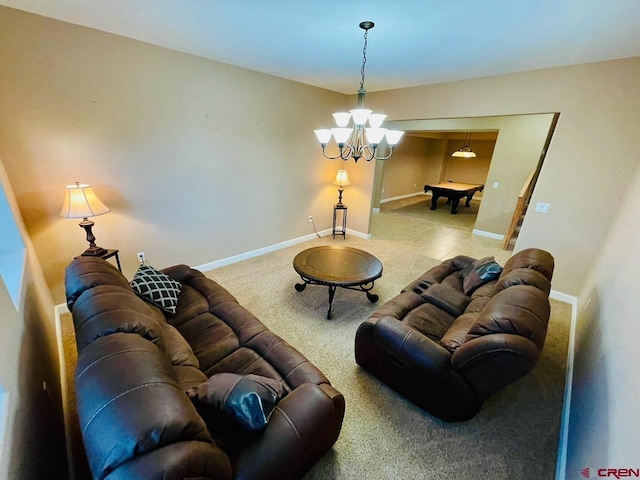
x=310, y=219
x=141, y=257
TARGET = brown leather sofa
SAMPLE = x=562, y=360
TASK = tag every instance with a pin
x=446, y=350
x=133, y=372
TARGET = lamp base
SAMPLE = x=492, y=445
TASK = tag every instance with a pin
x=94, y=251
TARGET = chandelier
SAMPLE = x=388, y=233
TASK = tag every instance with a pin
x=357, y=141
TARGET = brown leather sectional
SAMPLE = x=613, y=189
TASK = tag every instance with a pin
x=134, y=369
x=448, y=351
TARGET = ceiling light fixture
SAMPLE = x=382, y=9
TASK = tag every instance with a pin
x=465, y=151
x=357, y=141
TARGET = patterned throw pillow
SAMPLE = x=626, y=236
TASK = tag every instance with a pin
x=157, y=288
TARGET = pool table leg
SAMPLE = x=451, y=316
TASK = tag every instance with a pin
x=469, y=197
x=434, y=201
x=454, y=205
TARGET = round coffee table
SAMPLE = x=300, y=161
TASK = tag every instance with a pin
x=338, y=266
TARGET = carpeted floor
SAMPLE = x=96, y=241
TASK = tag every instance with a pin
x=515, y=435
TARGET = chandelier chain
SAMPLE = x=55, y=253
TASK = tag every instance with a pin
x=364, y=59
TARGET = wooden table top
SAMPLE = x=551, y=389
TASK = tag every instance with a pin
x=455, y=185
x=337, y=265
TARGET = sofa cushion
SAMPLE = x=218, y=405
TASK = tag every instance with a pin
x=478, y=273
x=457, y=333
x=156, y=287
x=177, y=348
x=448, y=299
x=518, y=310
x=429, y=320
x=533, y=258
x=106, y=309
x=248, y=400
x=84, y=273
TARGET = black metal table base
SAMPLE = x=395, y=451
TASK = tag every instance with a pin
x=366, y=287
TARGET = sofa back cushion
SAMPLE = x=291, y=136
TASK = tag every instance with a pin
x=84, y=273
x=519, y=310
x=226, y=337
x=106, y=309
x=531, y=258
x=177, y=348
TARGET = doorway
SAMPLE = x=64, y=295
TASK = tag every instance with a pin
x=519, y=144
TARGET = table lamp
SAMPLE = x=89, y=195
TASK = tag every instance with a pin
x=80, y=201
x=342, y=180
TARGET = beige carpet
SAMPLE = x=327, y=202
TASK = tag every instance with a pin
x=515, y=435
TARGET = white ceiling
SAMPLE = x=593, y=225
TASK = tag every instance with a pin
x=414, y=42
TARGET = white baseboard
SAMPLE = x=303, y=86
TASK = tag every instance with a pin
x=272, y=248
x=355, y=233
x=400, y=197
x=64, y=382
x=561, y=464
x=482, y=233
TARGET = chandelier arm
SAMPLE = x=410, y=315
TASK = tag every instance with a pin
x=330, y=157
x=347, y=152
x=384, y=158
x=372, y=152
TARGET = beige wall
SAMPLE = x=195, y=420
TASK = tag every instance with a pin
x=605, y=413
x=468, y=170
x=407, y=170
x=198, y=160
x=589, y=162
x=32, y=443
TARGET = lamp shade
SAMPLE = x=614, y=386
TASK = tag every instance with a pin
x=342, y=179
x=465, y=151
x=80, y=201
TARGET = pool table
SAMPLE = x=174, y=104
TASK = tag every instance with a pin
x=453, y=191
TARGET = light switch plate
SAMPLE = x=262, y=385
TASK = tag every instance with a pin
x=542, y=207
x=495, y=184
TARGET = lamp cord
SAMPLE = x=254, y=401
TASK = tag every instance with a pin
x=314, y=227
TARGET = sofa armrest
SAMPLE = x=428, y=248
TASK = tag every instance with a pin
x=478, y=360
x=130, y=404
x=178, y=460
x=408, y=346
x=303, y=426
